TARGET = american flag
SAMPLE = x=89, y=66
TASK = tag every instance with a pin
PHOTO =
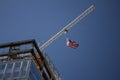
x=72, y=44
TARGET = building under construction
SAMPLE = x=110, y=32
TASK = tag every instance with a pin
x=23, y=60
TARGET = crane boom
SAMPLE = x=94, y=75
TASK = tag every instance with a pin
x=67, y=27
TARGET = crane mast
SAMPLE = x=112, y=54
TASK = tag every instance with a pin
x=67, y=27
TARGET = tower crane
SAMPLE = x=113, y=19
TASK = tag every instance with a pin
x=67, y=27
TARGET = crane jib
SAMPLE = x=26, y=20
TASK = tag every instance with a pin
x=67, y=27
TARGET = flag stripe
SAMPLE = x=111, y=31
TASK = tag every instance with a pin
x=72, y=44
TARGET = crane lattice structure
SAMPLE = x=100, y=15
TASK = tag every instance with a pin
x=67, y=27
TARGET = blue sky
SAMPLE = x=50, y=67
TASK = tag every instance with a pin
x=97, y=57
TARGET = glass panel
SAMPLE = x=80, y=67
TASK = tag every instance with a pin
x=17, y=74
x=7, y=76
x=2, y=66
x=9, y=67
x=16, y=69
x=23, y=69
x=1, y=76
x=34, y=73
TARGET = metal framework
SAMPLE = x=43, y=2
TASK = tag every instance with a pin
x=17, y=50
x=20, y=74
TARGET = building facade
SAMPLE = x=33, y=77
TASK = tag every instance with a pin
x=22, y=69
x=23, y=60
